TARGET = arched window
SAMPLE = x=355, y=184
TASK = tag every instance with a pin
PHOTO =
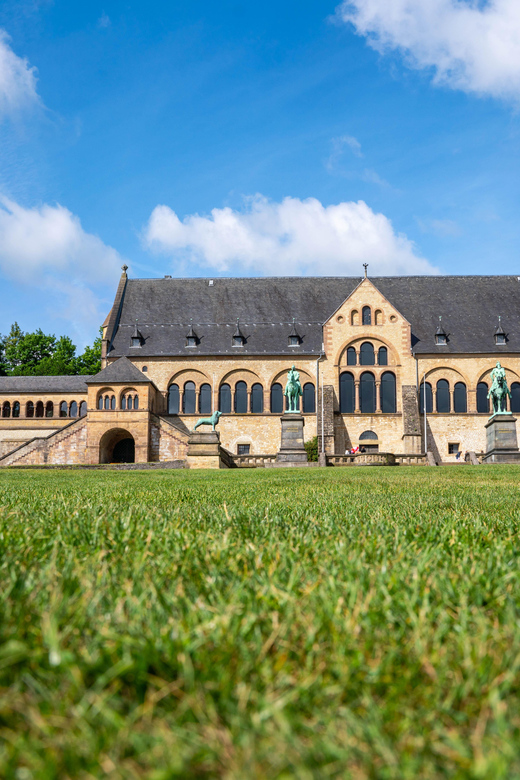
x=351, y=356
x=39, y=409
x=29, y=409
x=443, y=396
x=388, y=397
x=367, y=393
x=107, y=402
x=378, y=317
x=123, y=402
x=188, y=398
x=6, y=409
x=515, y=398
x=257, y=399
x=347, y=393
x=83, y=409
x=367, y=315
x=100, y=402
x=49, y=409
x=366, y=354
x=276, y=398
x=136, y=402
x=129, y=402
x=64, y=409
x=309, y=398
x=382, y=356
x=224, y=399
x=173, y=399
x=205, y=399
x=16, y=409
x=73, y=411
x=368, y=436
x=354, y=317
x=429, y=398
x=240, y=398
x=113, y=402
x=460, y=403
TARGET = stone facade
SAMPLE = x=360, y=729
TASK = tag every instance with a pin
x=158, y=436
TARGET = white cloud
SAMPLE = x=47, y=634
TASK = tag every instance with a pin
x=104, y=21
x=46, y=247
x=17, y=79
x=472, y=45
x=288, y=238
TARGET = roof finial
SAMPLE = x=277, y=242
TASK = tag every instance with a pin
x=124, y=268
x=365, y=266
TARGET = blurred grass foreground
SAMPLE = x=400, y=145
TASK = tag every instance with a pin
x=313, y=623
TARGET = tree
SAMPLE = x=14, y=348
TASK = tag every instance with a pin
x=90, y=361
x=3, y=363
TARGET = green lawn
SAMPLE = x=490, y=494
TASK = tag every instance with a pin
x=320, y=623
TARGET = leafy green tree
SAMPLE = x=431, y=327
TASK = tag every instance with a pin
x=29, y=351
x=90, y=361
x=62, y=361
x=3, y=363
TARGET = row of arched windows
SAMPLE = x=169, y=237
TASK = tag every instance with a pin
x=39, y=409
x=460, y=400
x=108, y=402
x=367, y=355
x=368, y=400
x=366, y=316
x=235, y=399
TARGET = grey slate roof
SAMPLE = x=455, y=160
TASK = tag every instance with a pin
x=469, y=306
x=43, y=384
x=122, y=370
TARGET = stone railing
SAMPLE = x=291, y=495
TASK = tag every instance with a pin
x=363, y=459
x=252, y=461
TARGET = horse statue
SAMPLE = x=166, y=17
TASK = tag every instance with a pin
x=499, y=391
x=293, y=389
x=213, y=420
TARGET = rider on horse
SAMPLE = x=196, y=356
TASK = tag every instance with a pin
x=293, y=389
x=499, y=390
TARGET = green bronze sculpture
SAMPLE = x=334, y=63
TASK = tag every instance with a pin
x=293, y=390
x=499, y=390
x=213, y=420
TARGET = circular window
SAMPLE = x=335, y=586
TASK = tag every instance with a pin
x=340, y=318
x=393, y=318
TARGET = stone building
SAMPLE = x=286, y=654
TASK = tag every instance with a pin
x=368, y=350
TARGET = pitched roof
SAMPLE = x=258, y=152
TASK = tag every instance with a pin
x=43, y=384
x=469, y=306
x=122, y=370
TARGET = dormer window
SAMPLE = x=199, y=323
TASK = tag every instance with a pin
x=136, y=338
x=441, y=337
x=500, y=334
x=238, y=337
x=191, y=337
x=294, y=336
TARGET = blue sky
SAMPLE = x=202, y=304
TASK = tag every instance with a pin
x=235, y=138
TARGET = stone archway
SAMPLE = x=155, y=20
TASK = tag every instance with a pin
x=117, y=446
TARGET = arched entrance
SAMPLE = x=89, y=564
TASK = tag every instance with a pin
x=117, y=446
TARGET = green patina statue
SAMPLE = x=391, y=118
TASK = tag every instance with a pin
x=213, y=420
x=293, y=390
x=499, y=390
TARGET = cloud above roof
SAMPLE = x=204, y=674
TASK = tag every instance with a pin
x=291, y=237
x=17, y=79
x=471, y=45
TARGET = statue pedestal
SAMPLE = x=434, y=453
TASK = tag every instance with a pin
x=204, y=450
x=292, y=450
x=501, y=440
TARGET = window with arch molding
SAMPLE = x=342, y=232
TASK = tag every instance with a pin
x=366, y=354
x=16, y=409
x=276, y=398
x=482, y=398
x=367, y=393
x=309, y=398
x=388, y=394
x=73, y=410
x=6, y=409
x=257, y=398
x=354, y=317
x=367, y=315
x=188, y=398
x=173, y=399
x=136, y=402
x=378, y=317
x=429, y=398
x=443, y=396
x=515, y=398
x=205, y=399
x=347, y=393
x=460, y=401
x=64, y=409
x=382, y=356
x=240, y=398
x=39, y=409
x=83, y=409
x=351, y=356
x=29, y=409
x=49, y=409
x=224, y=398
